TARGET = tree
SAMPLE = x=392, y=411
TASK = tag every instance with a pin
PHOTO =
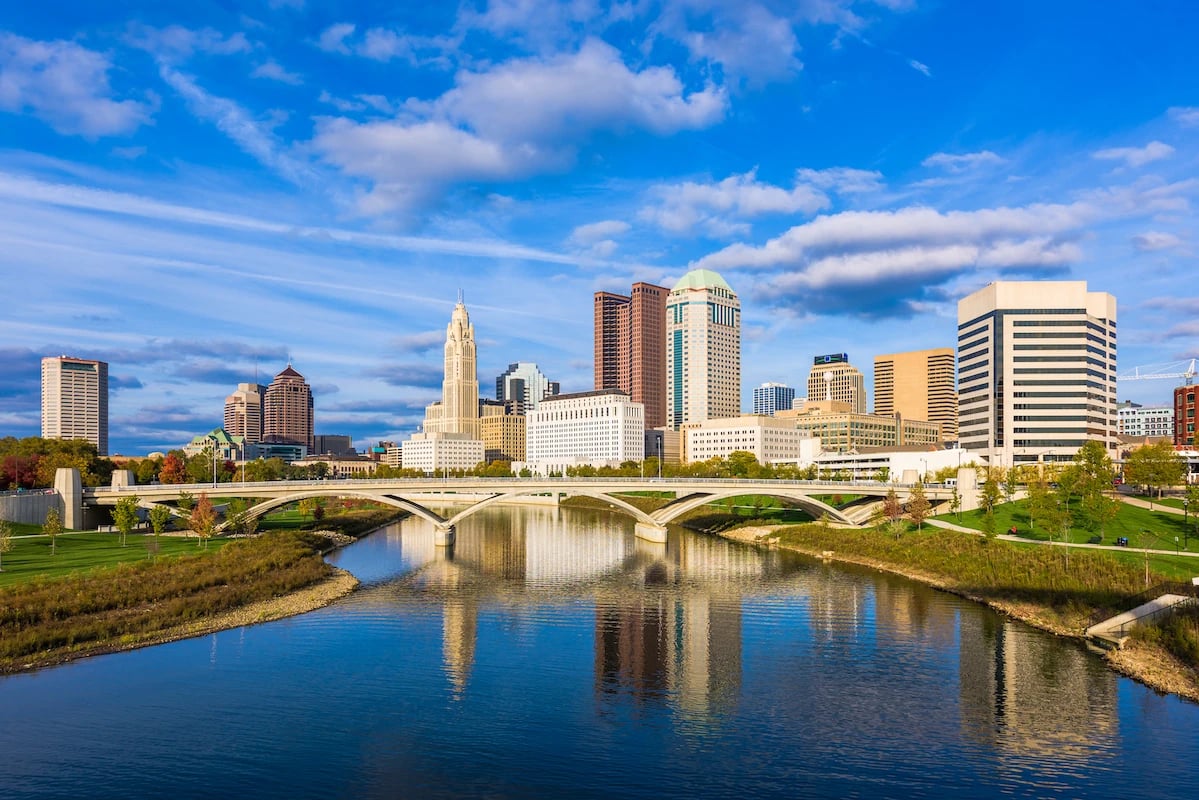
x=160, y=515
x=306, y=506
x=5, y=540
x=241, y=521
x=1155, y=466
x=52, y=527
x=918, y=506
x=174, y=470
x=186, y=501
x=955, y=503
x=125, y=516
x=203, y=519
x=892, y=513
x=1041, y=502
x=991, y=493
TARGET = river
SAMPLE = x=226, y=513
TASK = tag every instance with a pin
x=553, y=654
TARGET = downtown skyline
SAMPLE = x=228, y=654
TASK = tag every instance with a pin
x=191, y=194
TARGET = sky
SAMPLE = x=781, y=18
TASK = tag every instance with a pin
x=198, y=193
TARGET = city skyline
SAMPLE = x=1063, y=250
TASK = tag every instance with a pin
x=219, y=193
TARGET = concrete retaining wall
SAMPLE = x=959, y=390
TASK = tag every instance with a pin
x=30, y=507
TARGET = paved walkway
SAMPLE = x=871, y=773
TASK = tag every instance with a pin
x=1155, y=506
x=1007, y=537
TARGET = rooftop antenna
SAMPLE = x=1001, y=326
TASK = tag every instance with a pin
x=459, y=297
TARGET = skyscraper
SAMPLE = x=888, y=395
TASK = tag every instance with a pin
x=523, y=385
x=703, y=349
x=244, y=412
x=1036, y=371
x=772, y=397
x=630, y=347
x=287, y=410
x=75, y=400
x=834, y=378
x=458, y=411
x=918, y=385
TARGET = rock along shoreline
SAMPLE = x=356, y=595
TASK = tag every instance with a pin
x=1152, y=666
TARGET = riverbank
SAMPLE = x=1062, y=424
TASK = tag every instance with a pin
x=1144, y=662
x=277, y=575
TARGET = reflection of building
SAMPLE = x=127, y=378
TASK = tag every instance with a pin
x=1036, y=371
x=459, y=626
x=1025, y=694
x=703, y=349
x=75, y=400
x=918, y=385
x=834, y=379
x=287, y=410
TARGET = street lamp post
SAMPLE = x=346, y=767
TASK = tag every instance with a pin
x=660, y=456
x=1186, y=525
x=214, y=443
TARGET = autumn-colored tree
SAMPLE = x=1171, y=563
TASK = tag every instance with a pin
x=52, y=527
x=892, y=513
x=918, y=506
x=125, y=516
x=203, y=519
x=318, y=511
x=174, y=469
x=5, y=540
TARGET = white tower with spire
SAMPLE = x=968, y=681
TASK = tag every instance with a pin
x=458, y=411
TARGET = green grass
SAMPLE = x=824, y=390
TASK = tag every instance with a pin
x=1172, y=502
x=80, y=552
x=1141, y=526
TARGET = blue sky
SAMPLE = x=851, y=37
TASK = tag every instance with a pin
x=190, y=190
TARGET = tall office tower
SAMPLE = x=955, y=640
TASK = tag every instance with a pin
x=287, y=410
x=243, y=412
x=523, y=385
x=1036, y=371
x=918, y=384
x=834, y=378
x=772, y=397
x=630, y=347
x=703, y=349
x=75, y=400
x=458, y=411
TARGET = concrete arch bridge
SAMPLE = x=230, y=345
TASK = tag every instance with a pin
x=419, y=494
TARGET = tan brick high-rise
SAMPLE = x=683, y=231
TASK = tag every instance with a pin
x=630, y=347
x=75, y=400
x=287, y=410
x=920, y=384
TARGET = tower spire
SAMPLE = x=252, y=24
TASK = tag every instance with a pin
x=459, y=297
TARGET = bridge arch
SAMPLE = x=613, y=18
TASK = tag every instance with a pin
x=674, y=510
x=398, y=502
x=629, y=508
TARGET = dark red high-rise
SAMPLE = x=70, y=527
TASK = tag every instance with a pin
x=630, y=347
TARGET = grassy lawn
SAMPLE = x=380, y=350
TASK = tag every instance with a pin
x=1141, y=526
x=77, y=552
x=1172, y=502
x=1176, y=568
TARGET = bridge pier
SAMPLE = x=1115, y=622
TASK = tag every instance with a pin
x=443, y=535
x=651, y=533
x=68, y=484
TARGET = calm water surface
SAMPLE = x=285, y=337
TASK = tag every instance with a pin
x=555, y=655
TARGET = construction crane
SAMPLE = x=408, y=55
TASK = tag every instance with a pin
x=1170, y=369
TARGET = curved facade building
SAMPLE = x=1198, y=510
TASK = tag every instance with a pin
x=703, y=349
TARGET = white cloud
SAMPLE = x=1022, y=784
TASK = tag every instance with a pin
x=1156, y=240
x=595, y=231
x=342, y=105
x=176, y=43
x=332, y=39
x=842, y=180
x=252, y=136
x=1136, y=156
x=520, y=118
x=746, y=40
x=1185, y=115
x=66, y=86
x=919, y=67
x=709, y=206
x=272, y=70
x=960, y=162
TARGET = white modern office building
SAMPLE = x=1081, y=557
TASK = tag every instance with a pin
x=1036, y=371
x=433, y=453
x=772, y=397
x=600, y=429
x=523, y=385
x=703, y=349
x=75, y=400
x=770, y=439
x=1133, y=419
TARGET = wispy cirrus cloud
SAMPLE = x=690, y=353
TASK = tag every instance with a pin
x=1150, y=241
x=960, y=162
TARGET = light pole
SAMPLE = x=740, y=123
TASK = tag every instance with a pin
x=1186, y=526
x=213, y=437
x=660, y=455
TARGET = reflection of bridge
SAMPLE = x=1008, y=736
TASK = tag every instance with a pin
x=417, y=495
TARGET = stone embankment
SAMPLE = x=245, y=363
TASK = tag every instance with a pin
x=1152, y=666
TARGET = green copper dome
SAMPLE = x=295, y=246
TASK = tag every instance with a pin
x=701, y=279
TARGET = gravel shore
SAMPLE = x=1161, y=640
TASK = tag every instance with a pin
x=1152, y=666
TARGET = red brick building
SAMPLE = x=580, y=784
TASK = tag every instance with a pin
x=1184, y=415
